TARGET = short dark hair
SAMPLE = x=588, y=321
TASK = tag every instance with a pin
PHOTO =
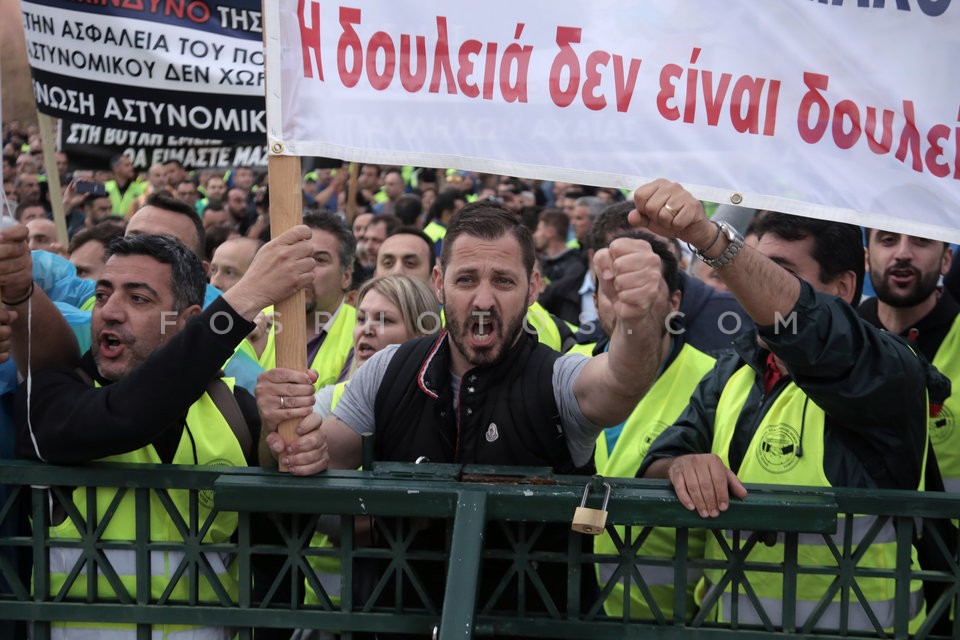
x=408, y=208
x=530, y=216
x=612, y=221
x=556, y=219
x=188, y=280
x=413, y=231
x=393, y=222
x=169, y=202
x=488, y=221
x=332, y=224
x=514, y=185
x=98, y=194
x=837, y=246
x=23, y=206
x=103, y=232
x=215, y=237
x=446, y=200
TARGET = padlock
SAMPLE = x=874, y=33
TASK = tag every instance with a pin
x=591, y=521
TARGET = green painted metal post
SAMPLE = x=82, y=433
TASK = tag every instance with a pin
x=463, y=568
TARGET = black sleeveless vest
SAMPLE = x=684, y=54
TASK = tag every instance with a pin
x=507, y=411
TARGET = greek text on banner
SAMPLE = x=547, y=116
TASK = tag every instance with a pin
x=729, y=98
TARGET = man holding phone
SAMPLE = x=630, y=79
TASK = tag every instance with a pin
x=86, y=203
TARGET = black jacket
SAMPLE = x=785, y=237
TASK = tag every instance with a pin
x=506, y=413
x=870, y=384
x=74, y=422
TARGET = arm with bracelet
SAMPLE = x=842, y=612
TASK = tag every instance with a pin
x=766, y=291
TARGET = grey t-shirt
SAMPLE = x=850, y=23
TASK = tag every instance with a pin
x=355, y=408
x=323, y=400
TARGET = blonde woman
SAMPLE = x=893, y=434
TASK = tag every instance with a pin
x=390, y=310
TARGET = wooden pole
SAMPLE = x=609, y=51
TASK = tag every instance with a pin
x=352, y=193
x=286, y=211
x=47, y=126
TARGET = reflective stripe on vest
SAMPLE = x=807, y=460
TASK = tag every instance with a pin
x=653, y=575
x=326, y=568
x=124, y=561
x=84, y=632
x=944, y=429
x=793, y=423
x=857, y=617
x=207, y=440
x=659, y=408
x=861, y=526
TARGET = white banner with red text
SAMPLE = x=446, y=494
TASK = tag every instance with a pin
x=835, y=110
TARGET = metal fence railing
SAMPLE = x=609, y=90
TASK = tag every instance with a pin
x=463, y=552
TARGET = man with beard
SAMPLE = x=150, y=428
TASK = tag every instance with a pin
x=905, y=271
x=815, y=397
x=330, y=320
x=487, y=392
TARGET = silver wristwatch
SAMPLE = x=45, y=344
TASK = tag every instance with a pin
x=733, y=248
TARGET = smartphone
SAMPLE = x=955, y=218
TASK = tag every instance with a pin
x=89, y=187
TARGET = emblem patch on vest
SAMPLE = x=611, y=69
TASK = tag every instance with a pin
x=941, y=426
x=492, y=433
x=777, y=451
x=206, y=495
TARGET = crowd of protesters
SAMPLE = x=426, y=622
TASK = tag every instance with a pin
x=644, y=327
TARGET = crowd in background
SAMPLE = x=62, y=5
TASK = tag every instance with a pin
x=666, y=320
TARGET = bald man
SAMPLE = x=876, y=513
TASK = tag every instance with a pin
x=43, y=236
x=231, y=260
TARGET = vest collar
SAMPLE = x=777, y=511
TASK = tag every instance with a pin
x=434, y=374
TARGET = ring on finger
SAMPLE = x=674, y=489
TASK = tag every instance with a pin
x=282, y=403
x=671, y=210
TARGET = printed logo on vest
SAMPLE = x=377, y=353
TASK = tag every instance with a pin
x=492, y=433
x=941, y=426
x=648, y=439
x=206, y=495
x=777, y=452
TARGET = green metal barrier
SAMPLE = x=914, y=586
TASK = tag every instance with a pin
x=466, y=509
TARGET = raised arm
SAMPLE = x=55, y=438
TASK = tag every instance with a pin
x=766, y=291
x=58, y=346
x=610, y=385
x=132, y=411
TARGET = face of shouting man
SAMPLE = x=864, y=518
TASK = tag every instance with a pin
x=135, y=313
x=485, y=290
